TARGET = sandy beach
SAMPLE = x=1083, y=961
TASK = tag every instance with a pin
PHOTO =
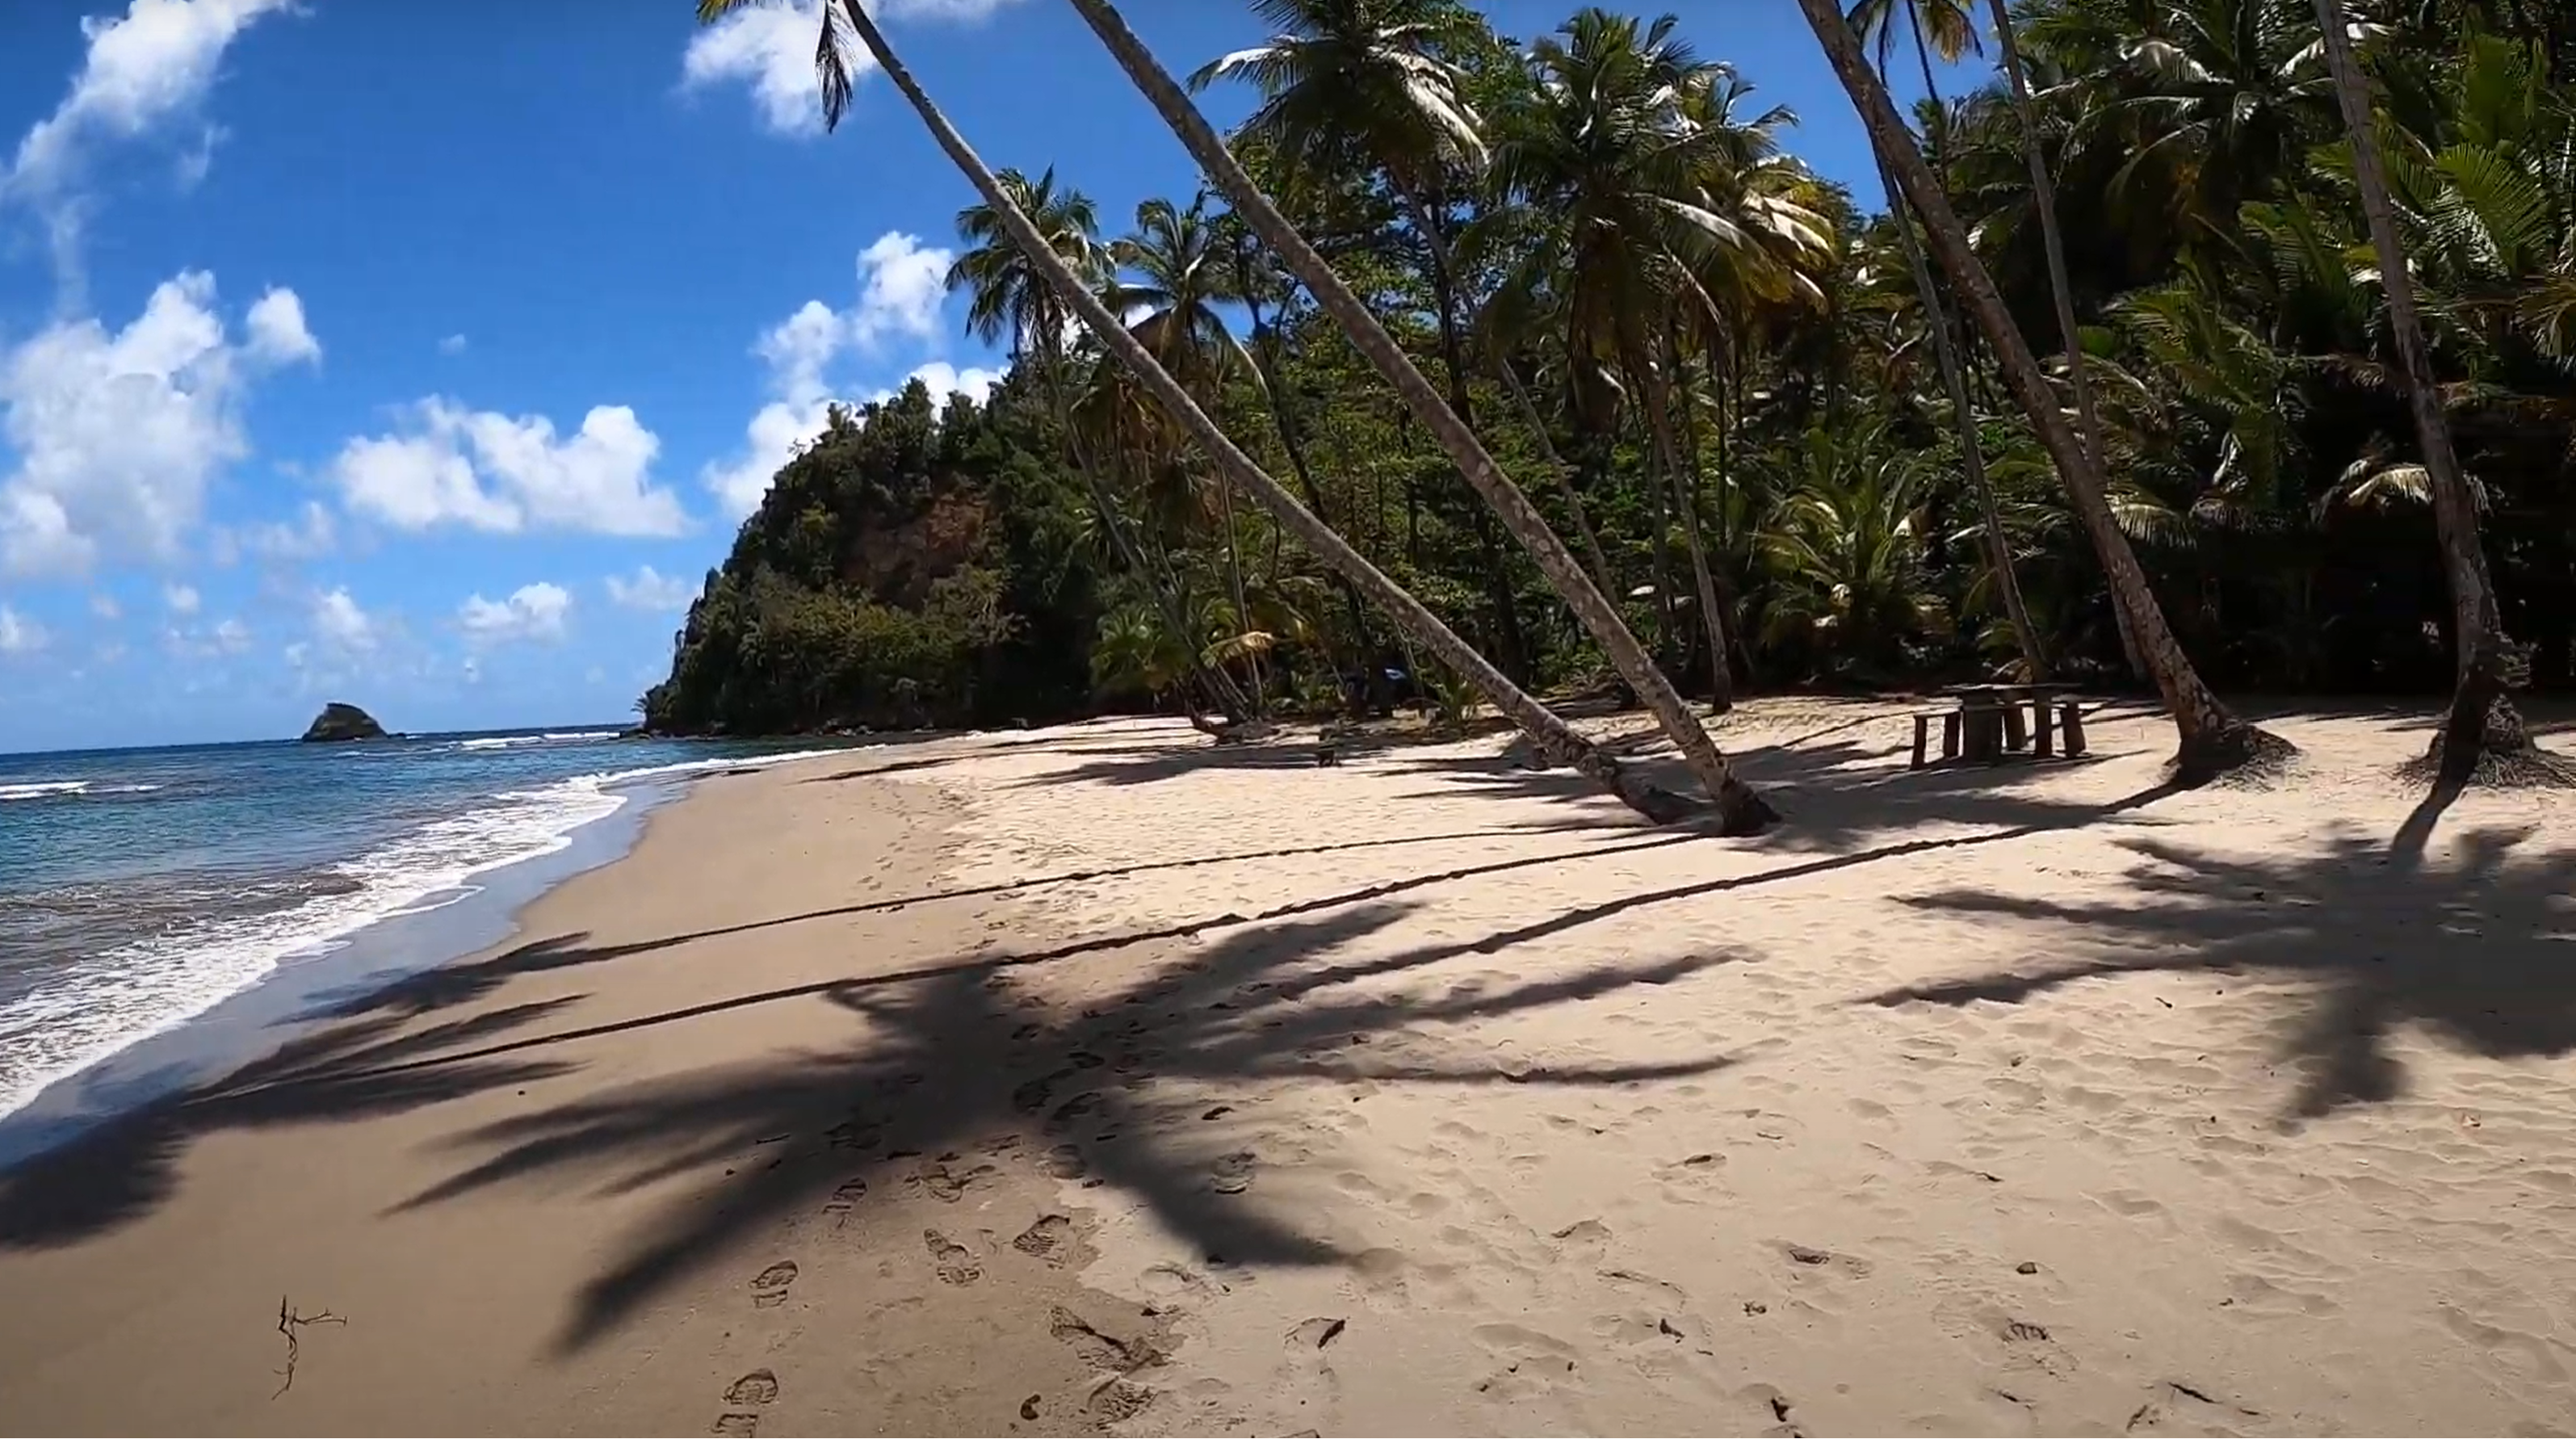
x=1095, y=1080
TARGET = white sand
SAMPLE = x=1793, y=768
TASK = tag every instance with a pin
x=2275, y=1133
x=1417, y=1095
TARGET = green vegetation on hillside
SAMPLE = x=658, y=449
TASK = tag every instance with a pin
x=1717, y=376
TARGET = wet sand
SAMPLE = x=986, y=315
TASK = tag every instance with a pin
x=1094, y=1080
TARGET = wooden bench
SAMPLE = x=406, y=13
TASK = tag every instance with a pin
x=1987, y=730
x=2070, y=725
x=1949, y=719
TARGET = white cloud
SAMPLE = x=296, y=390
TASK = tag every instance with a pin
x=488, y=471
x=338, y=623
x=902, y=292
x=901, y=285
x=182, y=599
x=104, y=606
x=452, y=345
x=152, y=65
x=225, y=637
x=532, y=612
x=310, y=533
x=20, y=635
x=770, y=50
x=651, y=590
x=277, y=333
x=944, y=379
x=118, y=434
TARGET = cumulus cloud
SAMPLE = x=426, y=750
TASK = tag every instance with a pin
x=140, y=72
x=974, y=382
x=104, y=605
x=769, y=50
x=309, y=534
x=902, y=293
x=182, y=599
x=483, y=470
x=277, y=332
x=117, y=434
x=650, y=589
x=901, y=285
x=532, y=612
x=20, y=635
x=339, y=623
x=452, y=345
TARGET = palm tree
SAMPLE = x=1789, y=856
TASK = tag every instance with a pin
x=1363, y=79
x=1363, y=76
x=1608, y=155
x=1848, y=536
x=1739, y=808
x=1007, y=297
x=2212, y=740
x=2043, y=189
x=1176, y=270
x=2480, y=713
x=1943, y=24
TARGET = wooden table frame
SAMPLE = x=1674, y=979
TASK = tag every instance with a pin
x=1988, y=723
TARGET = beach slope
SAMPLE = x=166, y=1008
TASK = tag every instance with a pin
x=1096, y=1080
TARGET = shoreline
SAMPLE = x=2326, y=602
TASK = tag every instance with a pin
x=560, y=1304
x=294, y=996
x=433, y=928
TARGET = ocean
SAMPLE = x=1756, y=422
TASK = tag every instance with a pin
x=141, y=888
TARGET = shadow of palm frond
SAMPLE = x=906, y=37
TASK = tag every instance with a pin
x=2480, y=951
x=449, y=985
x=966, y=1060
x=111, y=1171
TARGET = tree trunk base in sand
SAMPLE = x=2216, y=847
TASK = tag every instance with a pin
x=2233, y=751
x=1738, y=810
x=2506, y=757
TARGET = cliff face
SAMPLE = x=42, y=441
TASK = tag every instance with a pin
x=342, y=722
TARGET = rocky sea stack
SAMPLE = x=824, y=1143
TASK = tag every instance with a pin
x=338, y=722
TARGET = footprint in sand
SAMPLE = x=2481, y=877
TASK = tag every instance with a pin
x=744, y=1398
x=948, y=1186
x=1072, y=1112
x=844, y=1199
x=953, y=1262
x=769, y=1286
x=1233, y=1173
x=1099, y=1350
x=1065, y=1161
x=1045, y=1239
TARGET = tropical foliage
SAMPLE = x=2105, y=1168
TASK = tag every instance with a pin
x=1716, y=372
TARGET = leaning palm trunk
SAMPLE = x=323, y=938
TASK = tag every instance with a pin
x=1972, y=449
x=1657, y=394
x=1598, y=562
x=1548, y=732
x=1283, y=423
x=2061, y=287
x=1740, y=808
x=2212, y=740
x=2481, y=716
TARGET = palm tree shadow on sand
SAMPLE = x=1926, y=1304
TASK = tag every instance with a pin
x=2479, y=951
x=970, y=1061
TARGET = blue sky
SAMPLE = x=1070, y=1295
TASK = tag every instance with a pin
x=377, y=353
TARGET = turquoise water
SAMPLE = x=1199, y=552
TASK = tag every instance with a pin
x=140, y=888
